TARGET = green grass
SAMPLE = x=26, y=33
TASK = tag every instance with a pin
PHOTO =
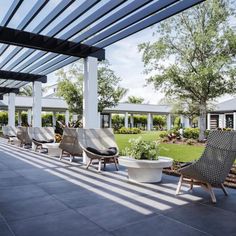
x=179, y=152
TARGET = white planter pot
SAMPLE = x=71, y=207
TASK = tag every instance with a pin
x=145, y=171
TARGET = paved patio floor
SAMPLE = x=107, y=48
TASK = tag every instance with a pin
x=42, y=196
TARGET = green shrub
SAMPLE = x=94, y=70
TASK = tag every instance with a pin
x=191, y=133
x=163, y=134
x=124, y=130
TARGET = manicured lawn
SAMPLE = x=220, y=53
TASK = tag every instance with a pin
x=178, y=152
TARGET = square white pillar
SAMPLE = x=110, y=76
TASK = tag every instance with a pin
x=208, y=121
x=67, y=117
x=37, y=103
x=91, y=118
x=54, y=119
x=126, y=120
x=186, y=122
x=168, y=121
x=149, y=122
x=132, y=120
x=234, y=121
x=19, y=118
x=11, y=109
x=29, y=117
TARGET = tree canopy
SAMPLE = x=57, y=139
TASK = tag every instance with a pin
x=193, y=58
x=135, y=100
x=70, y=87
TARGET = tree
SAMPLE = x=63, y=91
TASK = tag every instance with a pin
x=70, y=87
x=194, y=55
x=27, y=90
x=135, y=100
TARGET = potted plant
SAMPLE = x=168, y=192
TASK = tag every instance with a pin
x=143, y=161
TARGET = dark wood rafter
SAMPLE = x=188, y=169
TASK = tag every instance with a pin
x=4, y=90
x=49, y=44
x=19, y=76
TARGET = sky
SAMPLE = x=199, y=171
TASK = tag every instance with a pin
x=126, y=61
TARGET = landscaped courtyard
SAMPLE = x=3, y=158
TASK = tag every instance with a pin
x=179, y=152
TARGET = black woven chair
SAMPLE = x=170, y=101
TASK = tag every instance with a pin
x=214, y=165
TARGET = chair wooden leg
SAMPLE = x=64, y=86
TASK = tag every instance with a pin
x=224, y=190
x=71, y=158
x=116, y=163
x=191, y=185
x=61, y=155
x=210, y=190
x=99, y=165
x=179, y=184
x=89, y=163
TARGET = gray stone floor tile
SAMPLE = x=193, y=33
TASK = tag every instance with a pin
x=14, y=181
x=19, y=193
x=81, y=198
x=38, y=175
x=158, y=226
x=31, y=207
x=57, y=187
x=3, y=167
x=8, y=174
x=4, y=230
x=111, y=216
x=227, y=203
x=206, y=218
x=67, y=223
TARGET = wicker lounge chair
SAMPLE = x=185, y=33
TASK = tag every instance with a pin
x=70, y=143
x=41, y=135
x=214, y=165
x=100, y=140
x=9, y=132
x=23, y=135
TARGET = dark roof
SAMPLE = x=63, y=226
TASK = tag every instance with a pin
x=39, y=37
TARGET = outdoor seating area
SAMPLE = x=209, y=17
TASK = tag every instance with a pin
x=82, y=153
x=41, y=195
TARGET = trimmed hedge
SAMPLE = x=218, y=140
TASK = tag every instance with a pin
x=124, y=130
x=191, y=133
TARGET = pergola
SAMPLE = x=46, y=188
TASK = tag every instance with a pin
x=38, y=37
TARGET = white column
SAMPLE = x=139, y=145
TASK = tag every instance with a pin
x=168, y=121
x=54, y=119
x=149, y=121
x=37, y=104
x=91, y=118
x=186, y=122
x=110, y=121
x=11, y=109
x=67, y=117
x=19, y=118
x=29, y=117
x=208, y=121
x=182, y=120
x=126, y=120
x=223, y=121
x=234, y=121
x=132, y=120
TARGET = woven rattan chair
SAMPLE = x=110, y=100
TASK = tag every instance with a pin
x=9, y=132
x=70, y=143
x=41, y=135
x=214, y=165
x=23, y=135
x=99, y=139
